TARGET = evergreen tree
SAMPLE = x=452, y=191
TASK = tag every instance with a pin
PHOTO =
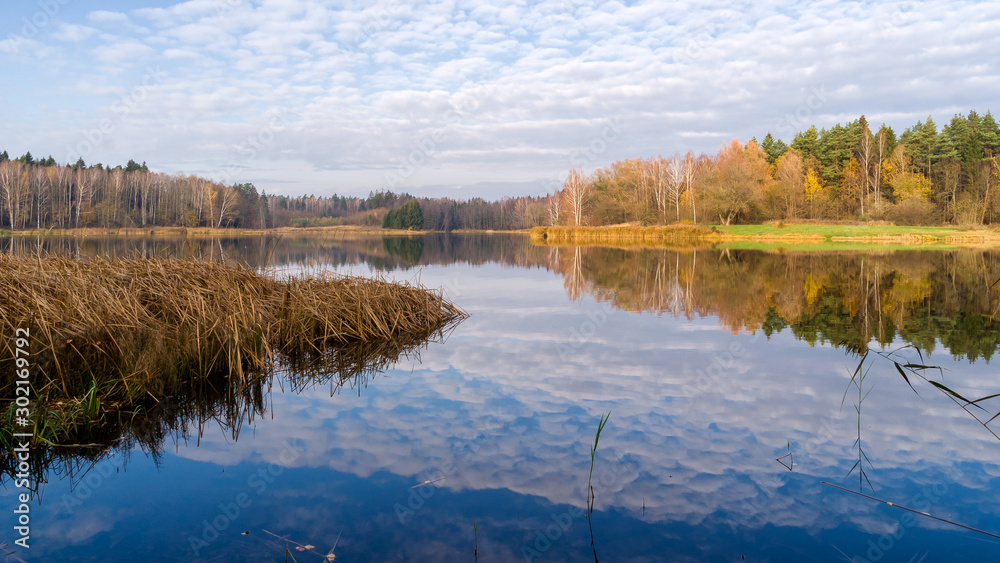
x=989, y=135
x=773, y=149
x=807, y=142
x=411, y=216
x=389, y=220
x=921, y=144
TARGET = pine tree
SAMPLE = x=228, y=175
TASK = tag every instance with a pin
x=773, y=149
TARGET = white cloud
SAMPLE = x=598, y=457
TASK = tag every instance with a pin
x=104, y=16
x=74, y=32
x=368, y=82
x=123, y=53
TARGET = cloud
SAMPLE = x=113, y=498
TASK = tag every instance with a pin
x=74, y=32
x=104, y=16
x=369, y=82
x=123, y=53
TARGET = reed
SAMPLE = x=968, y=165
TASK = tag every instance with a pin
x=106, y=335
x=591, y=497
x=619, y=234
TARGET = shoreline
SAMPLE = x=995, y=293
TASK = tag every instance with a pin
x=236, y=232
x=790, y=235
x=786, y=235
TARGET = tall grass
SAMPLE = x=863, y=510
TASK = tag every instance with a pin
x=619, y=234
x=107, y=335
x=788, y=234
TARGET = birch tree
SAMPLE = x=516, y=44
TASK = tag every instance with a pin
x=577, y=192
x=12, y=189
x=554, y=207
x=226, y=200
x=676, y=170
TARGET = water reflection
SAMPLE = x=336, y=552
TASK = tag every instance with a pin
x=380, y=253
x=925, y=298
x=501, y=417
x=222, y=404
x=846, y=299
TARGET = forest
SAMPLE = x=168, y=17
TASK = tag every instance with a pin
x=846, y=173
x=41, y=194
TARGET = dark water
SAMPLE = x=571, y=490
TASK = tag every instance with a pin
x=715, y=366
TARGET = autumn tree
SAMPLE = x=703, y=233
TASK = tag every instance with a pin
x=735, y=187
x=790, y=182
x=813, y=189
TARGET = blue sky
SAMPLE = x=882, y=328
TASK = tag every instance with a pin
x=466, y=98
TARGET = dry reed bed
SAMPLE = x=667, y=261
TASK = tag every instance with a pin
x=130, y=329
x=619, y=234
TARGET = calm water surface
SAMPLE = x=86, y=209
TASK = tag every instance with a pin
x=727, y=374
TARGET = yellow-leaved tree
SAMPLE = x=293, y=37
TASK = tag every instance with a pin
x=813, y=189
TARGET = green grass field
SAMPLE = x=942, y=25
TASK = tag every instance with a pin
x=829, y=232
x=828, y=246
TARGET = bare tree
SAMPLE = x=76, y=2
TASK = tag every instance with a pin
x=577, y=192
x=554, y=207
x=866, y=152
x=116, y=186
x=790, y=179
x=41, y=187
x=62, y=195
x=880, y=147
x=689, y=165
x=12, y=188
x=227, y=199
x=676, y=171
x=657, y=170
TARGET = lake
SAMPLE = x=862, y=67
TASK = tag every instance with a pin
x=745, y=415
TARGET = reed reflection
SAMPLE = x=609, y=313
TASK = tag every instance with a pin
x=124, y=352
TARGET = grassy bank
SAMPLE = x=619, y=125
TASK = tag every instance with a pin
x=791, y=234
x=106, y=335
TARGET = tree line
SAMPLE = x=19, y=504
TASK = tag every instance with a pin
x=41, y=194
x=847, y=172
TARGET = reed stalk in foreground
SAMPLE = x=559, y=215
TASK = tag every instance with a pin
x=590, y=488
x=109, y=334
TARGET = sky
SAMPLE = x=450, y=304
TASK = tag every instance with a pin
x=467, y=98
